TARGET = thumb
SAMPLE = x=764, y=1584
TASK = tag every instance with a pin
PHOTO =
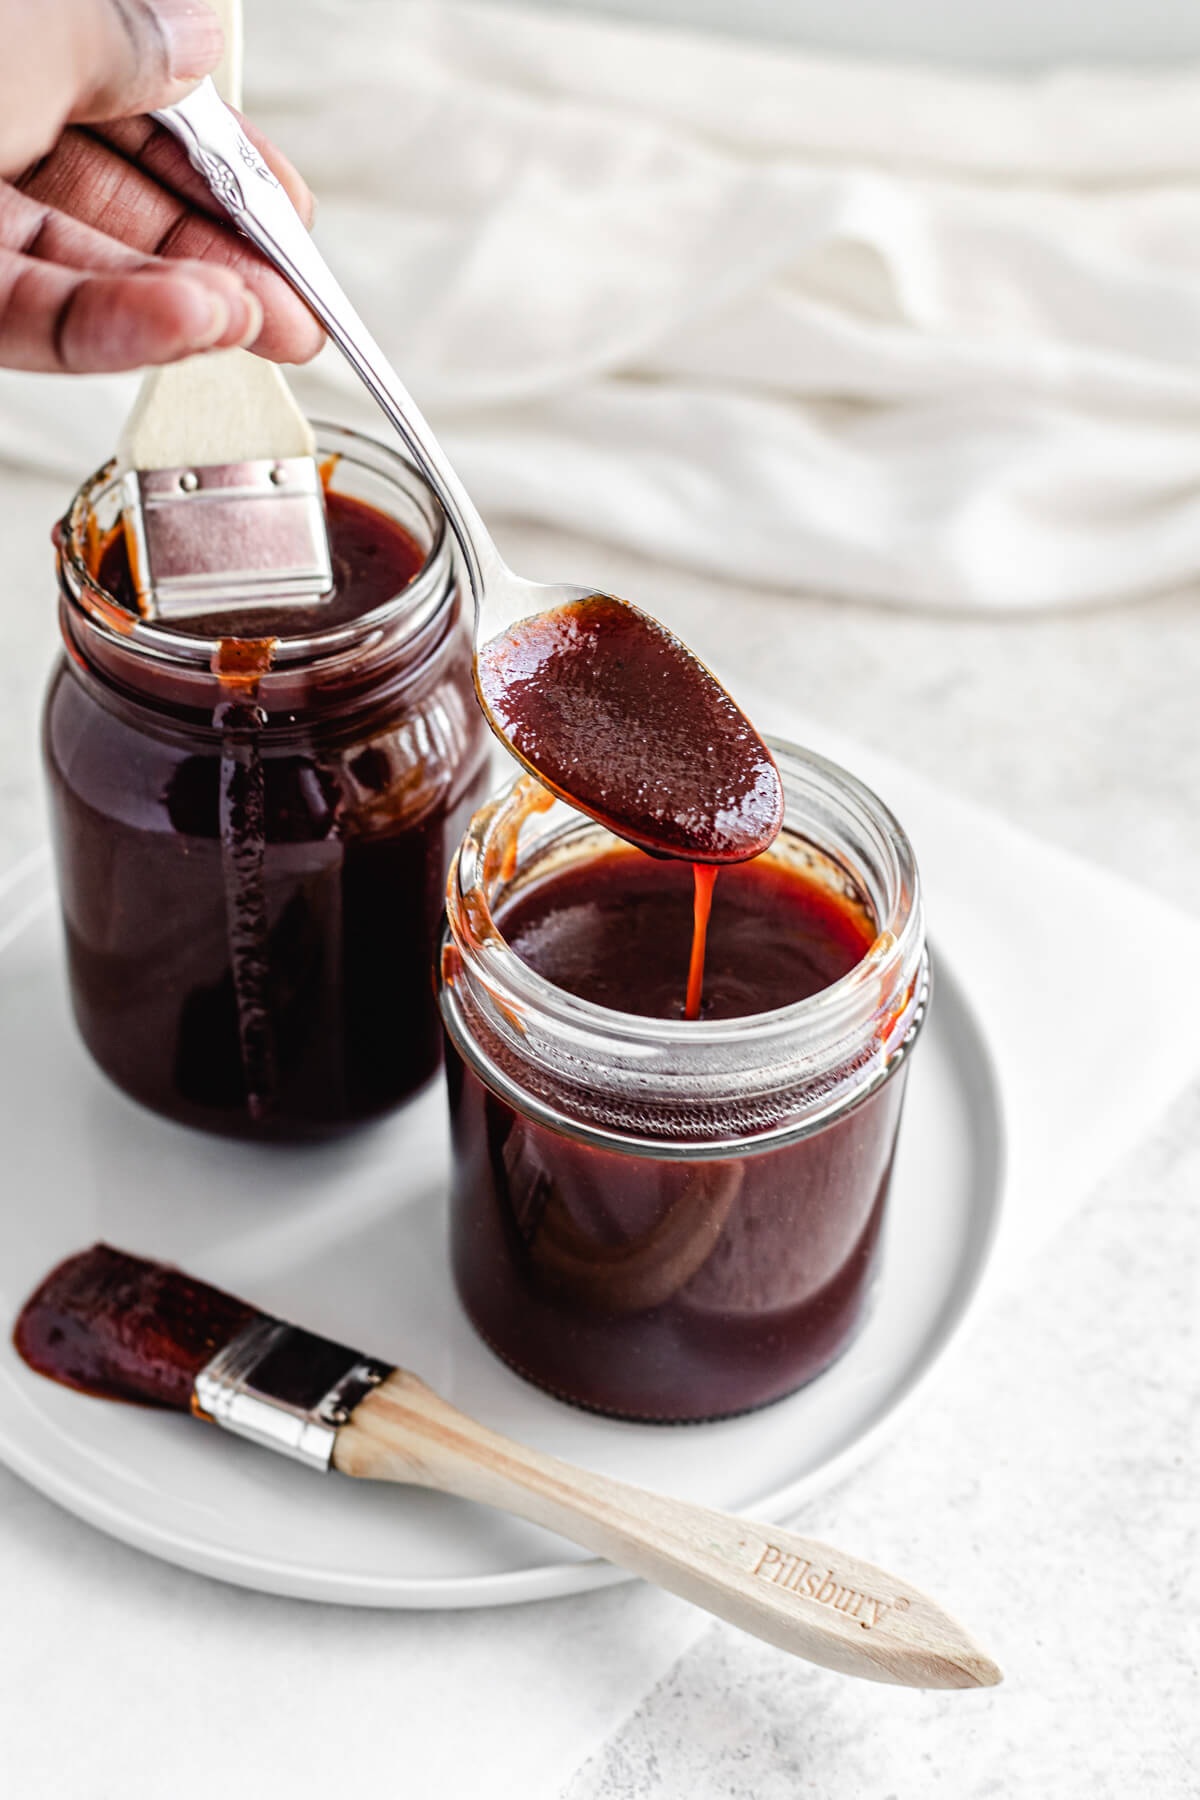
x=147, y=53
x=89, y=60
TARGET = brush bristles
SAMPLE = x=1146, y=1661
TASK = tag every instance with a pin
x=126, y=1329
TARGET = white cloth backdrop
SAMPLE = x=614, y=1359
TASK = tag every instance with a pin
x=931, y=338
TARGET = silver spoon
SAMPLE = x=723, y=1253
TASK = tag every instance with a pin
x=647, y=757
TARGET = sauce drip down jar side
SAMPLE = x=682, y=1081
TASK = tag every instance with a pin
x=669, y=1220
x=252, y=837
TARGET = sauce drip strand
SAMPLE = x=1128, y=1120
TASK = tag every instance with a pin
x=616, y=715
x=704, y=878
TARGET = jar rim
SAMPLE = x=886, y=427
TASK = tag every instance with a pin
x=410, y=608
x=511, y=978
x=670, y=1087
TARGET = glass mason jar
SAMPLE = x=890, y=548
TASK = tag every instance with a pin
x=666, y=1220
x=252, y=850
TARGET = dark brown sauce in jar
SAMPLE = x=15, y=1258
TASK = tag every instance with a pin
x=373, y=558
x=658, y=1219
x=616, y=930
x=252, y=830
x=662, y=1289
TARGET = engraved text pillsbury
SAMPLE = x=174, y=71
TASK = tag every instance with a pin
x=786, y=1570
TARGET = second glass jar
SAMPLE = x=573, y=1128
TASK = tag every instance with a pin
x=252, y=836
x=667, y=1220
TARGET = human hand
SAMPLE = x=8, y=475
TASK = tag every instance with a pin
x=112, y=252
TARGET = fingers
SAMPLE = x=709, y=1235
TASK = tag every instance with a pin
x=66, y=322
x=94, y=59
x=72, y=298
x=143, y=142
x=89, y=180
x=98, y=214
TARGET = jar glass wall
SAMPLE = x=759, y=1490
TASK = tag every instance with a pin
x=659, y=1219
x=252, y=842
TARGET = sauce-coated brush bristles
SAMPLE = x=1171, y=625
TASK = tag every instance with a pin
x=126, y=1329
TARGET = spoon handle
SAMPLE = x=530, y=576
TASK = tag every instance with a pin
x=799, y=1594
x=241, y=182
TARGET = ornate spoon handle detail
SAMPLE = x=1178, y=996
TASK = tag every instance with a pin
x=244, y=186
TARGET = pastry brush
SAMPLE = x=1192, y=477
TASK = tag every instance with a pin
x=123, y=1328
x=222, y=500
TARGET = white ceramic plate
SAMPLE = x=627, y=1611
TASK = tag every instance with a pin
x=348, y=1239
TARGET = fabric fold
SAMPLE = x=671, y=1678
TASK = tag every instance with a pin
x=926, y=337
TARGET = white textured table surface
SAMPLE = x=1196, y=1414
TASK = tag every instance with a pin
x=1050, y=1472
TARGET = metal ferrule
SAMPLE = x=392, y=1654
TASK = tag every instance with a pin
x=285, y=1388
x=225, y=536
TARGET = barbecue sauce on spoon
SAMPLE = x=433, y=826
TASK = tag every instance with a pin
x=612, y=712
x=616, y=715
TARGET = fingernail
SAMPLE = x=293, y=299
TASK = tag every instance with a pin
x=192, y=35
x=207, y=316
x=254, y=320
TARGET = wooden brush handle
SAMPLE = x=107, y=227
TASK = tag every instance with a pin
x=223, y=406
x=803, y=1596
x=228, y=72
